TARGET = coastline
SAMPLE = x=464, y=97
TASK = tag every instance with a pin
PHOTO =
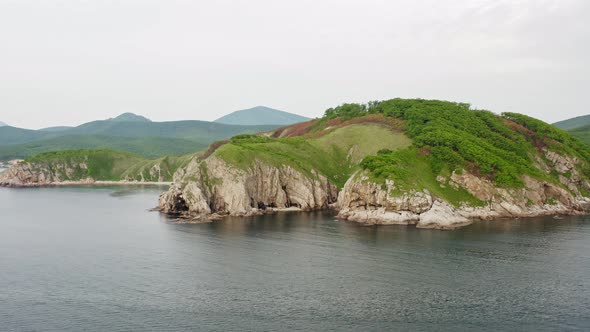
x=437, y=222
x=85, y=183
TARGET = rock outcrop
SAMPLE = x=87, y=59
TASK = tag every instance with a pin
x=364, y=201
x=212, y=186
x=24, y=174
x=39, y=174
x=370, y=203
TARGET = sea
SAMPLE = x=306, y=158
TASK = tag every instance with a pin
x=97, y=259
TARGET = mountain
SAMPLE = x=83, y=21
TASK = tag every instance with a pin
x=2, y=124
x=12, y=135
x=582, y=133
x=572, y=123
x=578, y=127
x=261, y=115
x=130, y=117
x=148, y=147
x=54, y=129
x=127, y=132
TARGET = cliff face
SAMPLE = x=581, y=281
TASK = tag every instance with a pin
x=26, y=174
x=213, y=186
x=366, y=202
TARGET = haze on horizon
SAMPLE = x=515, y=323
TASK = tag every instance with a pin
x=69, y=62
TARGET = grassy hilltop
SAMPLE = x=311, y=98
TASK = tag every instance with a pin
x=412, y=142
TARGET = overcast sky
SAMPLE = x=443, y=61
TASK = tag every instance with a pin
x=68, y=62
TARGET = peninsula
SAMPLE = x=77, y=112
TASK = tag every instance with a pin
x=435, y=164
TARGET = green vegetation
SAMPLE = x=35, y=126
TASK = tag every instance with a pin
x=548, y=136
x=440, y=137
x=107, y=165
x=582, y=133
x=573, y=123
x=334, y=155
x=412, y=171
x=454, y=137
x=129, y=133
x=148, y=147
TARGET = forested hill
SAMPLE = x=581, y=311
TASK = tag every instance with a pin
x=128, y=132
x=573, y=123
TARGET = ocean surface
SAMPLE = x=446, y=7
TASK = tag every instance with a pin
x=95, y=259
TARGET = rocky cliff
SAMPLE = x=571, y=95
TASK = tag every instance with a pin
x=85, y=167
x=26, y=174
x=214, y=187
x=364, y=201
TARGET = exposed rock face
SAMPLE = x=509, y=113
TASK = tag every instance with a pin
x=26, y=174
x=369, y=203
x=213, y=186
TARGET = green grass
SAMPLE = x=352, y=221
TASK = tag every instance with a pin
x=148, y=147
x=168, y=166
x=452, y=135
x=368, y=138
x=328, y=155
x=411, y=171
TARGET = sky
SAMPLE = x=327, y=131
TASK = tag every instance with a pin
x=69, y=62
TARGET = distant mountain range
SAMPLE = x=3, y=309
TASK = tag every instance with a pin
x=572, y=123
x=579, y=127
x=261, y=115
x=2, y=124
x=132, y=133
x=130, y=117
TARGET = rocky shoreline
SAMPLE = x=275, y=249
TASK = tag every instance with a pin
x=211, y=189
x=84, y=183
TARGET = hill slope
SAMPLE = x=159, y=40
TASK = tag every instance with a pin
x=54, y=129
x=573, y=123
x=426, y=162
x=582, y=133
x=149, y=139
x=88, y=166
x=261, y=115
x=148, y=147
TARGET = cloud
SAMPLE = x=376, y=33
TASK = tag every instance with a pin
x=70, y=62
